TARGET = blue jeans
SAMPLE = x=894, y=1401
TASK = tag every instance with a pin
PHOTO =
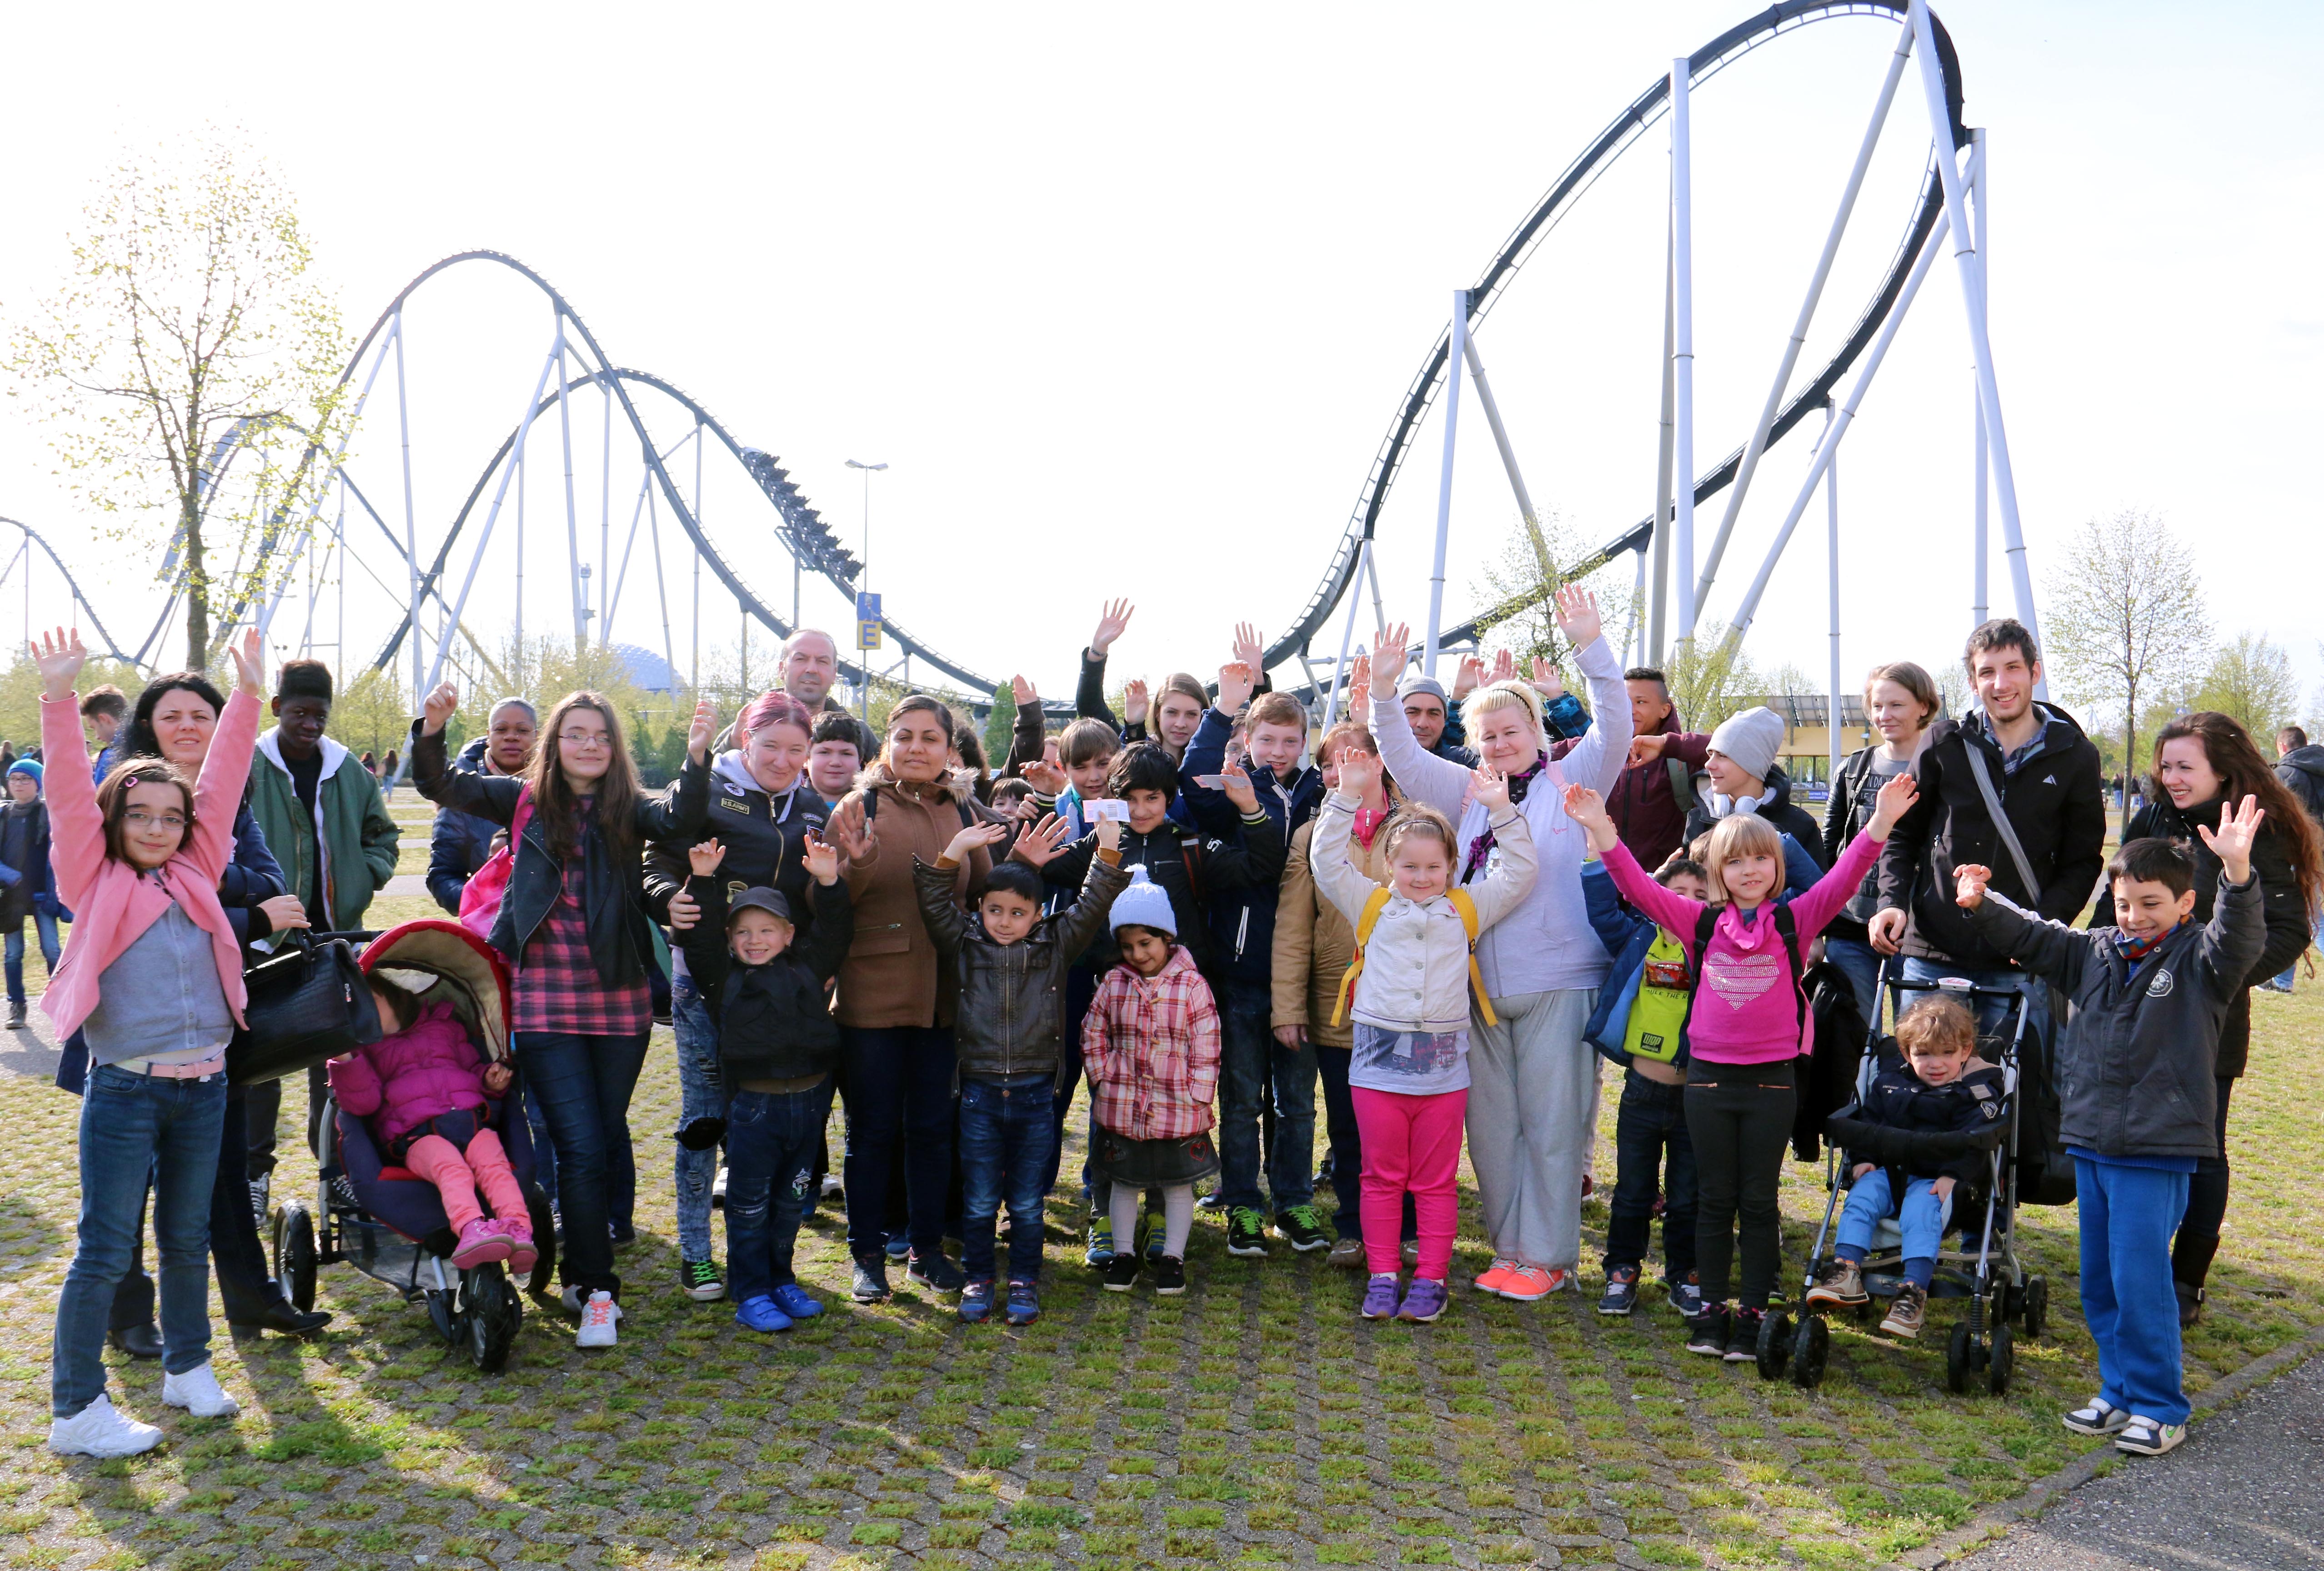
x=1859, y=962
x=46, y=927
x=1008, y=1140
x=1652, y=1150
x=771, y=1140
x=585, y=1084
x=1992, y=1015
x=2128, y=1215
x=133, y=1128
x=1921, y=1216
x=898, y=1083
x=1254, y=1066
x=544, y=1150
x=2283, y=981
x=697, y=1097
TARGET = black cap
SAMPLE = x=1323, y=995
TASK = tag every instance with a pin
x=769, y=901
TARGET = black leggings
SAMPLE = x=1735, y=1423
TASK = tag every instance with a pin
x=1739, y=1128
x=2207, y=1204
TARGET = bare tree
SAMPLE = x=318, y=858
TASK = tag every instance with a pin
x=2126, y=615
x=2252, y=679
x=190, y=368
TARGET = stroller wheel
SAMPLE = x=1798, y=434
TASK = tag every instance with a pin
x=1811, y=1351
x=1774, y=1349
x=1958, y=1355
x=2001, y=1361
x=542, y=1283
x=2037, y=1306
x=294, y=1252
x=491, y=1312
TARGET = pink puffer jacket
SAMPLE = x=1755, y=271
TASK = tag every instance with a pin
x=401, y=1082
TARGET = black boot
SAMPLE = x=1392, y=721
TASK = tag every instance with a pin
x=277, y=1314
x=138, y=1341
x=2190, y=1267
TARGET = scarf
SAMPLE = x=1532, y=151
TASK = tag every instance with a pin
x=2135, y=950
x=1367, y=824
x=1520, y=783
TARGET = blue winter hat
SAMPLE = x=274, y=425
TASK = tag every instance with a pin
x=1144, y=904
x=27, y=767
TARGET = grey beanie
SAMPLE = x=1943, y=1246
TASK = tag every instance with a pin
x=1144, y=904
x=1417, y=683
x=1751, y=739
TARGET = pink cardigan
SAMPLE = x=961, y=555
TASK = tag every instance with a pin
x=1743, y=1012
x=113, y=904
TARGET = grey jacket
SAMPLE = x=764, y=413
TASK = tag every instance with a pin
x=2135, y=1069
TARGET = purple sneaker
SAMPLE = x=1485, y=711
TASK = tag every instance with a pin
x=1379, y=1298
x=1423, y=1302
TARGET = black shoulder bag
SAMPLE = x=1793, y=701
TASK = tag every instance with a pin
x=308, y=1002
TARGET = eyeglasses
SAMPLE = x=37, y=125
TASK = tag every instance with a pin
x=590, y=740
x=138, y=818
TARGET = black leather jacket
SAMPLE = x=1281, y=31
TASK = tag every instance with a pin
x=612, y=900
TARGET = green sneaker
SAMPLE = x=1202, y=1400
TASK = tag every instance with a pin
x=1101, y=1244
x=1246, y=1232
x=1301, y=1227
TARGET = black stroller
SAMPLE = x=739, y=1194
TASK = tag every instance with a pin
x=388, y=1222
x=1985, y=1268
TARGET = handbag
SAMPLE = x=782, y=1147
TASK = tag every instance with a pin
x=481, y=896
x=306, y=1003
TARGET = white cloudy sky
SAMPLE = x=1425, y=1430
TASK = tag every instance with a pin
x=1126, y=298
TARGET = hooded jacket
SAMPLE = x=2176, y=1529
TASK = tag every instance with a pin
x=349, y=829
x=1900, y=1100
x=764, y=836
x=403, y=1081
x=24, y=848
x=2055, y=803
x=1313, y=943
x=773, y=1021
x=1646, y=808
x=1775, y=805
x=1243, y=918
x=2303, y=770
x=892, y=978
x=2135, y=1064
x=1191, y=871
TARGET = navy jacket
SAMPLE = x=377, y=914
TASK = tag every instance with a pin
x=461, y=842
x=1242, y=917
x=1898, y=1101
x=1627, y=936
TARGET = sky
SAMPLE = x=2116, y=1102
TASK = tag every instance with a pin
x=1126, y=300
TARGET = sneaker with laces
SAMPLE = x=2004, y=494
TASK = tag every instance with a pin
x=1302, y=1229
x=870, y=1285
x=976, y=1302
x=198, y=1392
x=598, y=1316
x=1743, y=1336
x=1101, y=1244
x=1380, y=1297
x=1706, y=1333
x=759, y=1312
x=1246, y=1233
x=1495, y=1277
x=1526, y=1285
x=1686, y=1294
x=1121, y=1273
x=1024, y=1303
x=1422, y=1301
x=938, y=1273
x=99, y=1429
x=1840, y=1282
x=1907, y=1312
x=797, y=1302
x=1347, y=1255
x=1169, y=1277
x=698, y=1279
x=261, y=1189
x=1621, y=1294
x=2096, y=1416
x=899, y=1246
x=2144, y=1436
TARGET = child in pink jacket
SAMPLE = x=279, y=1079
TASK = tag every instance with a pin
x=1747, y=1025
x=429, y=1098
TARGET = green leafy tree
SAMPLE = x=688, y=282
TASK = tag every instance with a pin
x=2252, y=679
x=1000, y=727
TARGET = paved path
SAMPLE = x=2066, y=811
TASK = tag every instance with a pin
x=2246, y=1491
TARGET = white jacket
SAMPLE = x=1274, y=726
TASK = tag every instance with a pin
x=1416, y=975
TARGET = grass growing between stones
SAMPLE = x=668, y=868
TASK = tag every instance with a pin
x=1254, y=1421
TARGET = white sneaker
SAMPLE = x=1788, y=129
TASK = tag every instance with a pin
x=198, y=1392
x=98, y=1430
x=597, y=1318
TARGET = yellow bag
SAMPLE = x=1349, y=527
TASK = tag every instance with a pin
x=1376, y=903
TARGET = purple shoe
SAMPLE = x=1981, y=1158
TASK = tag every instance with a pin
x=1423, y=1302
x=1379, y=1298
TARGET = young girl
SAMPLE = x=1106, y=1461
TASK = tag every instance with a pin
x=1408, y=1074
x=429, y=1098
x=153, y=981
x=1150, y=1048
x=1746, y=1023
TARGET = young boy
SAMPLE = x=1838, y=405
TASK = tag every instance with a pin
x=25, y=873
x=1942, y=1088
x=2135, y=1093
x=778, y=1046
x=1008, y=1041
x=834, y=755
x=1637, y=1025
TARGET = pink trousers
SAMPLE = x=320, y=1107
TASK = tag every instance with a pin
x=458, y=1176
x=1410, y=1143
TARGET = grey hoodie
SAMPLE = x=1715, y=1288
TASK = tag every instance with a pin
x=2303, y=770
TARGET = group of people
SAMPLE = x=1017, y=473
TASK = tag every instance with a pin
x=1448, y=907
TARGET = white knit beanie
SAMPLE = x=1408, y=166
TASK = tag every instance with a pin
x=1751, y=739
x=1144, y=904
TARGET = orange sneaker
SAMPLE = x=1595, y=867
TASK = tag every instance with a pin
x=1495, y=1277
x=1526, y=1283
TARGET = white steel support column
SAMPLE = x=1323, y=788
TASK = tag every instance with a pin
x=1682, y=343
x=1979, y=598
x=1456, y=354
x=1791, y=359
x=1988, y=389
x=517, y=459
x=661, y=590
x=1347, y=639
x=1485, y=401
x=575, y=593
x=1832, y=562
x=410, y=528
x=1658, y=621
x=606, y=591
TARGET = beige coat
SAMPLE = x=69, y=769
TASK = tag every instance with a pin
x=891, y=977
x=1313, y=943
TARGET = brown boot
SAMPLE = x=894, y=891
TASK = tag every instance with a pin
x=1908, y=1311
x=1841, y=1284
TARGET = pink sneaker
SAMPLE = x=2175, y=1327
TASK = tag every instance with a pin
x=523, y=1255
x=1495, y=1277
x=1526, y=1283
x=481, y=1241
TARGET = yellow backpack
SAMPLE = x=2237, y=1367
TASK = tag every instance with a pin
x=1376, y=902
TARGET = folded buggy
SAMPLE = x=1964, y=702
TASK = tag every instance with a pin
x=387, y=1221
x=1985, y=1268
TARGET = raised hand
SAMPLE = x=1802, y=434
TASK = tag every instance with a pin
x=439, y=706
x=974, y=837
x=1044, y=842
x=1359, y=772
x=1022, y=692
x=59, y=656
x=820, y=858
x=1468, y=678
x=855, y=835
x=1042, y=775
x=250, y=664
x=1895, y=799
x=1236, y=679
x=702, y=731
x=1251, y=648
x=1133, y=702
x=1489, y=787
x=704, y=856
x=1388, y=660
x=1111, y=623
x=1238, y=788
x=1970, y=880
x=1108, y=834
x=1577, y=615
x=1505, y=666
x=1587, y=809
x=2232, y=844
x=1359, y=678
x=1548, y=680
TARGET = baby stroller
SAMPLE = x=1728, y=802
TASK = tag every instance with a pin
x=387, y=1221
x=1985, y=1268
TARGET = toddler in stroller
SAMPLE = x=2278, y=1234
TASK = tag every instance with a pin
x=429, y=1098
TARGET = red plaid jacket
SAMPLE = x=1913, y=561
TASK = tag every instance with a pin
x=1151, y=1050
x=557, y=987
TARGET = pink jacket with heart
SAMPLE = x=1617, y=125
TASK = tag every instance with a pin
x=401, y=1082
x=1745, y=1010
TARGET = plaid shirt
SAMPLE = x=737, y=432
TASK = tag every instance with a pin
x=557, y=987
x=1151, y=1048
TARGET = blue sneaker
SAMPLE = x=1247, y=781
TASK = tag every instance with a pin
x=758, y=1313
x=1024, y=1303
x=976, y=1302
x=797, y=1302
x=899, y=1246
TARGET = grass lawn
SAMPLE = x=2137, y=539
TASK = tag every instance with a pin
x=1254, y=1420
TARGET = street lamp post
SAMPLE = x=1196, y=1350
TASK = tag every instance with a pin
x=863, y=577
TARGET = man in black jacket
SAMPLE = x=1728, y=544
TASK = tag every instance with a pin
x=2044, y=772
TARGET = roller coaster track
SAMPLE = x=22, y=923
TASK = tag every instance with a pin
x=32, y=538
